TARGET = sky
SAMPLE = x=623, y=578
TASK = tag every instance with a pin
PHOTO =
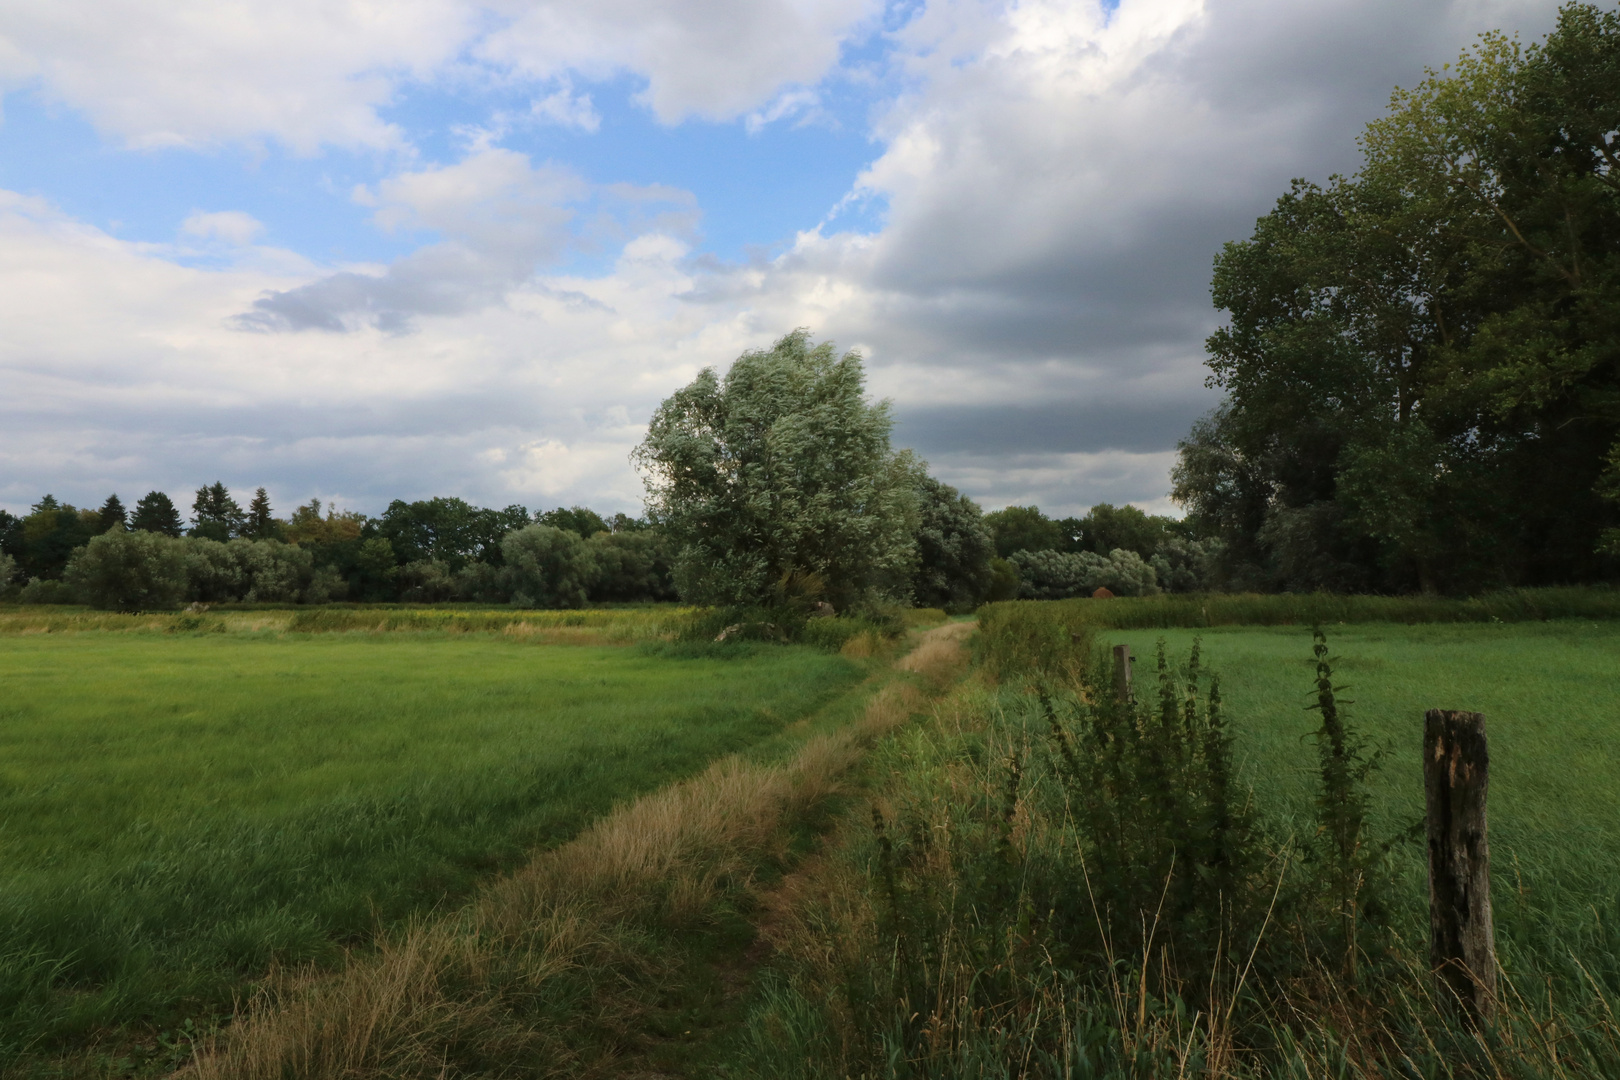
x=362, y=251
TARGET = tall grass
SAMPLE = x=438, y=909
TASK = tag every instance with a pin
x=546, y=972
x=1058, y=884
x=1326, y=609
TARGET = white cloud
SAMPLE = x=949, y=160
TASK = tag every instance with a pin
x=198, y=72
x=1056, y=185
x=717, y=59
x=566, y=109
x=309, y=73
x=230, y=226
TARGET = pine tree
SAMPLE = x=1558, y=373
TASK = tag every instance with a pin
x=111, y=517
x=215, y=515
x=156, y=513
x=261, y=520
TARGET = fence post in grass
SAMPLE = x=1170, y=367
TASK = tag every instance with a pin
x=1122, y=673
x=1462, y=941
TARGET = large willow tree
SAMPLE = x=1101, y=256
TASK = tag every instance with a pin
x=778, y=480
x=1422, y=362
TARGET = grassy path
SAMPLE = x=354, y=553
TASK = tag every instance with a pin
x=591, y=958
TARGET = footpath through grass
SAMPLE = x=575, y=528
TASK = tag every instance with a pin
x=182, y=810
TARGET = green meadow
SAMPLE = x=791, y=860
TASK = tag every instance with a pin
x=179, y=811
x=1550, y=692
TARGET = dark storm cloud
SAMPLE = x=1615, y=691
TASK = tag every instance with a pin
x=1065, y=427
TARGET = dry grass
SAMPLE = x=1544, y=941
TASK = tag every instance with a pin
x=546, y=971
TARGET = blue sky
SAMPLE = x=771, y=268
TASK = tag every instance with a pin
x=362, y=252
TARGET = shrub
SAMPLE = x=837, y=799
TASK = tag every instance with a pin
x=212, y=575
x=1044, y=641
x=546, y=567
x=1056, y=575
x=46, y=591
x=8, y=575
x=129, y=571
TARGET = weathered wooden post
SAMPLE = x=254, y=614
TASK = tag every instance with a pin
x=1122, y=673
x=1462, y=941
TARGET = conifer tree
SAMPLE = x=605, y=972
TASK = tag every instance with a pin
x=111, y=517
x=261, y=520
x=156, y=513
x=215, y=515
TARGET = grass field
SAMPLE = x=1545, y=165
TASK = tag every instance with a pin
x=178, y=810
x=1550, y=693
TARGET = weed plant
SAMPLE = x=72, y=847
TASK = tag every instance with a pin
x=1059, y=884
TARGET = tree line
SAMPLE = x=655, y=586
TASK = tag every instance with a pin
x=1421, y=363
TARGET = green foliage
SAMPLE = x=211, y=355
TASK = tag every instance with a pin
x=261, y=521
x=1024, y=528
x=8, y=576
x=215, y=515
x=579, y=519
x=1004, y=581
x=448, y=531
x=1035, y=639
x=111, y=516
x=546, y=567
x=1310, y=609
x=954, y=549
x=781, y=470
x=129, y=571
x=46, y=591
x=44, y=541
x=1107, y=527
x=1056, y=575
x=630, y=565
x=156, y=512
x=1421, y=361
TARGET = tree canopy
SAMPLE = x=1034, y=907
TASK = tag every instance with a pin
x=1422, y=361
x=780, y=476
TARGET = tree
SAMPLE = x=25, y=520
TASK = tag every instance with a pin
x=1422, y=361
x=111, y=517
x=1023, y=528
x=156, y=513
x=546, y=567
x=215, y=515
x=49, y=535
x=261, y=521
x=954, y=549
x=587, y=523
x=450, y=531
x=1056, y=575
x=630, y=565
x=779, y=481
x=1107, y=527
x=138, y=570
x=307, y=528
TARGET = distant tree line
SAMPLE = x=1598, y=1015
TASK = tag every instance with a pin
x=425, y=551
x=1119, y=548
x=1422, y=361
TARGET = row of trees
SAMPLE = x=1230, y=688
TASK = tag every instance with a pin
x=1422, y=361
x=1118, y=548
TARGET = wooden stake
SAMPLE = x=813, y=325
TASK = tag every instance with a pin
x=1122, y=672
x=1462, y=941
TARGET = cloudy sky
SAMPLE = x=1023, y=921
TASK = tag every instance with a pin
x=364, y=251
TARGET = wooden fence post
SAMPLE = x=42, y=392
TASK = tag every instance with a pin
x=1122, y=673
x=1462, y=941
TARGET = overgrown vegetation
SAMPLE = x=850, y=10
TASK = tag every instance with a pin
x=1060, y=883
